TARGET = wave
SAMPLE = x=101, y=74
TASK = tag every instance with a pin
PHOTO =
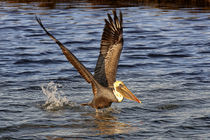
x=168, y=55
x=45, y=61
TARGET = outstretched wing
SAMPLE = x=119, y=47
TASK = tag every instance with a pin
x=111, y=47
x=73, y=60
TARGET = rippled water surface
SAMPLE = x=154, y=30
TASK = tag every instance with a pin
x=165, y=62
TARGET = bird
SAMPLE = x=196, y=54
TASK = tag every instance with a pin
x=106, y=89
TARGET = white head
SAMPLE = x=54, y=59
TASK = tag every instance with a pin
x=120, y=91
x=116, y=93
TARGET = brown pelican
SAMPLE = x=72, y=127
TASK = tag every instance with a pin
x=105, y=88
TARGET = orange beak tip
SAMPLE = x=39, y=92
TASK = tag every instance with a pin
x=139, y=101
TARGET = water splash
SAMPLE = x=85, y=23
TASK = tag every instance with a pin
x=55, y=100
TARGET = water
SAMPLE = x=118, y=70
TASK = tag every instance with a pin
x=165, y=62
x=54, y=99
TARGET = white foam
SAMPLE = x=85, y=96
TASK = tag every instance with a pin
x=54, y=100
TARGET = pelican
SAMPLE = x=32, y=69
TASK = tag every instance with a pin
x=106, y=89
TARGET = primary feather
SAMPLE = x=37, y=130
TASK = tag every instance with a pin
x=111, y=47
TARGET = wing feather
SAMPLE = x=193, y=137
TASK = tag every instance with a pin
x=72, y=59
x=111, y=47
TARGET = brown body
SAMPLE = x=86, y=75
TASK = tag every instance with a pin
x=104, y=78
x=103, y=98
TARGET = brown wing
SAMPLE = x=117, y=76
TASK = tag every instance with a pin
x=73, y=60
x=111, y=47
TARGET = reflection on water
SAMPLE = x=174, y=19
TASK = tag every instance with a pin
x=205, y=4
x=154, y=3
x=108, y=124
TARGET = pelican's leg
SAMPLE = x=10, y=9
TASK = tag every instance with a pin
x=85, y=104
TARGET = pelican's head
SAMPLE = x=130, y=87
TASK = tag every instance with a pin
x=120, y=91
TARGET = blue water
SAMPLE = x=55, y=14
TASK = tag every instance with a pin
x=165, y=62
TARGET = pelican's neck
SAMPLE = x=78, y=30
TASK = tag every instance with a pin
x=117, y=95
